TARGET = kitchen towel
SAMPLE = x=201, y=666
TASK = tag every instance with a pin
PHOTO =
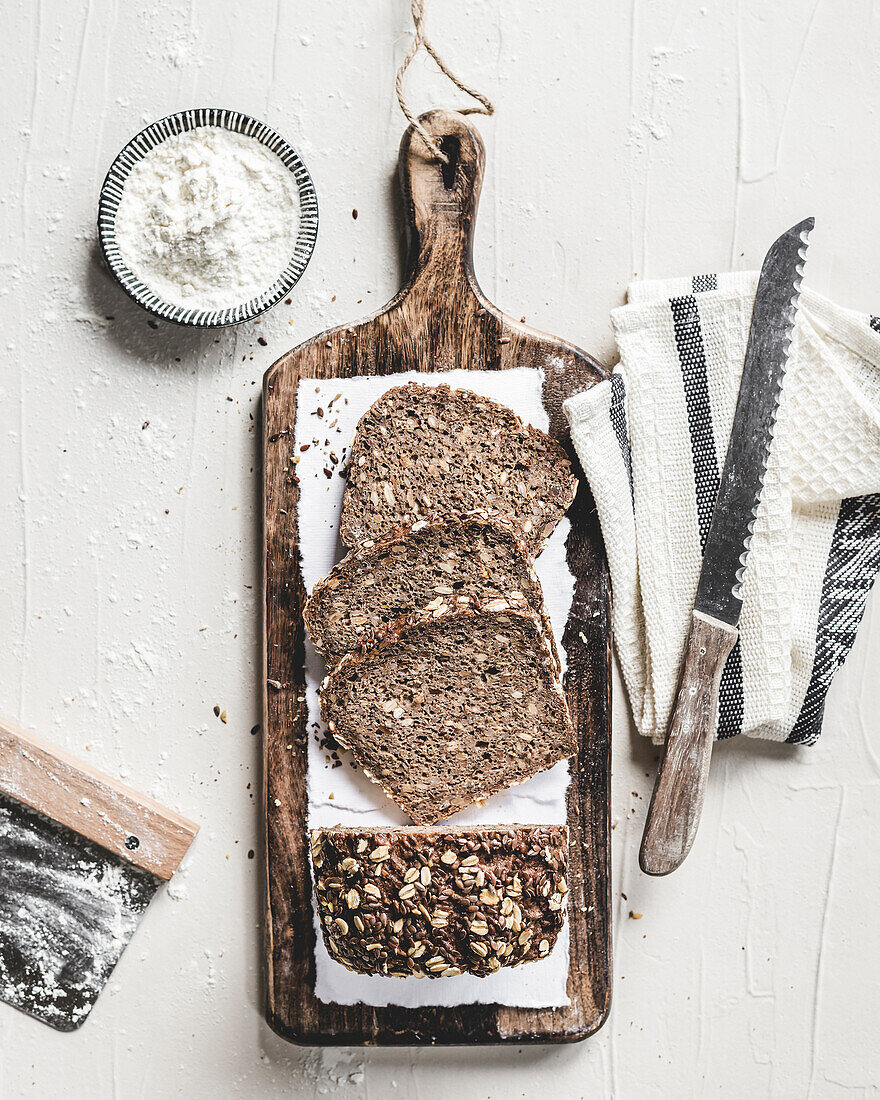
x=652, y=441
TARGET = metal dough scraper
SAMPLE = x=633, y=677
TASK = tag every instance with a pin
x=81, y=857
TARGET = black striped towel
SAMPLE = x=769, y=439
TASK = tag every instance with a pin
x=652, y=442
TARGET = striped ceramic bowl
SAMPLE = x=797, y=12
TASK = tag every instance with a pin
x=137, y=148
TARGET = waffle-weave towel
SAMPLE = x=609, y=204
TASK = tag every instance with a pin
x=652, y=442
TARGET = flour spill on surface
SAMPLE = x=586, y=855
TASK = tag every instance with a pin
x=67, y=912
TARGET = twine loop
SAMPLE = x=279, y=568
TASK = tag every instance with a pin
x=421, y=41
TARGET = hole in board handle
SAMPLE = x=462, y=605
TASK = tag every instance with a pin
x=451, y=148
x=132, y=843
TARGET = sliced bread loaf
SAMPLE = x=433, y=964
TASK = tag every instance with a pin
x=444, y=712
x=423, y=451
x=419, y=569
x=436, y=903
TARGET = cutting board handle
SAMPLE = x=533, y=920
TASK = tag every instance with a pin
x=441, y=201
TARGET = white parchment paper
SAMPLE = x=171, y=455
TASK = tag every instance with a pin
x=327, y=415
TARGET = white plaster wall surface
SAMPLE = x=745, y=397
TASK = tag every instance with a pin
x=648, y=138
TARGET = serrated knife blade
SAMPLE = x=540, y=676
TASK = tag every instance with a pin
x=680, y=787
x=719, y=592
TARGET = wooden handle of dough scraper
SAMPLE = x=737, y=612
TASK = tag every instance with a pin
x=55, y=784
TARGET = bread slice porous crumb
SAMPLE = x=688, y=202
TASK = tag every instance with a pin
x=423, y=451
x=446, y=711
x=417, y=570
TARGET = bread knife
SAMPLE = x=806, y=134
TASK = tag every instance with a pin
x=680, y=787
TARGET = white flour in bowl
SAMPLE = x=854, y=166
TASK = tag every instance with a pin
x=208, y=218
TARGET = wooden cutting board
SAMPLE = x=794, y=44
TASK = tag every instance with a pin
x=438, y=321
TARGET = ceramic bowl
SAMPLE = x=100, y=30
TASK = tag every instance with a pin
x=149, y=138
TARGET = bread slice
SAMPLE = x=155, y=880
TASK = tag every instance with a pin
x=413, y=902
x=444, y=712
x=424, y=451
x=416, y=570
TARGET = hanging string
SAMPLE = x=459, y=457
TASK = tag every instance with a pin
x=420, y=41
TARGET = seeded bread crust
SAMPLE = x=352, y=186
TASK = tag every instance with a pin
x=409, y=572
x=414, y=902
x=422, y=451
x=401, y=716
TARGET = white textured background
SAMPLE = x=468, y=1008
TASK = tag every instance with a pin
x=650, y=138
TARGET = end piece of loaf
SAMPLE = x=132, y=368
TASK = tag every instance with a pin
x=423, y=451
x=445, y=712
x=416, y=570
x=413, y=902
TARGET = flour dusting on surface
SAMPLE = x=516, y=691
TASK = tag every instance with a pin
x=67, y=912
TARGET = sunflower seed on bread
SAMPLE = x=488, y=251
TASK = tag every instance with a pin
x=439, y=902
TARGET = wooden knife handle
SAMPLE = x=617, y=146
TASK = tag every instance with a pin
x=680, y=787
